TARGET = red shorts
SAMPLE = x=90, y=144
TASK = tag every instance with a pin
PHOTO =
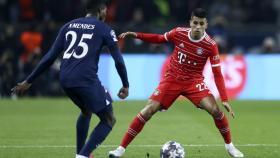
x=171, y=88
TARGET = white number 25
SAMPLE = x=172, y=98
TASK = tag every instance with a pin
x=201, y=86
x=82, y=44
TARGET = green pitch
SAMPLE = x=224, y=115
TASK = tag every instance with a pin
x=45, y=128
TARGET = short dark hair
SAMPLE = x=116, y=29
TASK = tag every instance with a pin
x=199, y=12
x=93, y=6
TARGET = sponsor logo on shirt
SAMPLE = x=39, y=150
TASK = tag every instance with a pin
x=182, y=57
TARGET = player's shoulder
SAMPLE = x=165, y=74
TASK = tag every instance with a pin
x=181, y=29
x=89, y=20
x=210, y=40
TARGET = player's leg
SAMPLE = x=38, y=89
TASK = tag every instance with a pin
x=210, y=105
x=82, y=127
x=162, y=98
x=139, y=121
x=83, y=121
x=97, y=100
x=200, y=95
x=136, y=127
x=101, y=131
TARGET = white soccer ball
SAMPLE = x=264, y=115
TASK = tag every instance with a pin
x=172, y=149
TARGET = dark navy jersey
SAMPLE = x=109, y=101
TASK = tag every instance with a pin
x=81, y=41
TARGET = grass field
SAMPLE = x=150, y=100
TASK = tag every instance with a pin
x=45, y=128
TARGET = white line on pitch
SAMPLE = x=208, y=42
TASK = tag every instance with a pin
x=131, y=146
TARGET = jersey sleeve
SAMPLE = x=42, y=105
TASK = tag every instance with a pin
x=110, y=37
x=215, y=57
x=216, y=68
x=111, y=41
x=49, y=57
x=151, y=38
x=156, y=38
x=169, y=36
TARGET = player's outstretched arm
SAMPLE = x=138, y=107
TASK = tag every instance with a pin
x=147, y=37
x=128, y=34
x=20, y=88
x=44, y=64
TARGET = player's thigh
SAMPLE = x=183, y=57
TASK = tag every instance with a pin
x=196, y=92
x=107, y=115
x=210, y=105
x=150, y=109
x=166, y=93
x=96, y=98
x=73, y=94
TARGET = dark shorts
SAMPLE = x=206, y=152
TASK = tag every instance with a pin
x=94, y=98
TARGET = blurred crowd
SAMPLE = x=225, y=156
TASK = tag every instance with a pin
x=28, y=28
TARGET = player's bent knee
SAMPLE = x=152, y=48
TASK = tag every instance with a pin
x=216, y=112
x=150, y=109
x=86, y=113
x=110, y=120
x=107, y=117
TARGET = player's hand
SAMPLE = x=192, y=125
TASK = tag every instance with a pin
x=127, y=34
x=228, y=108
x=21, y=87
x=123, y=93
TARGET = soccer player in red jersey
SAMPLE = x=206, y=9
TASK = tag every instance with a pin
x=193, y=47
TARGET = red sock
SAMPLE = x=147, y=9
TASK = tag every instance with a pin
x=135, y=127
x=223, y=126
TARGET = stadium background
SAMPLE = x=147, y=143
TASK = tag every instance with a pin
x=248, y=34
x=249, y=28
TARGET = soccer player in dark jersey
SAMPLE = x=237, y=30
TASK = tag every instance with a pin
x=81, y=41
x=192, y=48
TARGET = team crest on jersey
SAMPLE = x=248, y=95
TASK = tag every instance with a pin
x=199, y=51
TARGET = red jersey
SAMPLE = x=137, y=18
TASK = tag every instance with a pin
x=190, y=56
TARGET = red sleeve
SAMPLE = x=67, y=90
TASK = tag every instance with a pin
x=156, y=38
x=169, y=36
x=152, y=38
x=216, y=68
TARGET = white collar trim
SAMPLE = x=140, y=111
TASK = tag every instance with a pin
x=193, y=40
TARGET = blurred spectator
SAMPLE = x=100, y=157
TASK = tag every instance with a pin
x=31, y=40
x=218, y=26
x=9, y=11
x=8, y=60
x=237, y=13
x=219, y=8
x=262, y=12
x=28, y=28
x=7, y=72
x=268, y=46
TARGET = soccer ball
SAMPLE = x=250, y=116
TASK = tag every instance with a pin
x=172, y=149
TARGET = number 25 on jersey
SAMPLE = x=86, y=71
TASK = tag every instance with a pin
x=68, y=53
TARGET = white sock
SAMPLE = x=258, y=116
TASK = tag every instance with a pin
x=122, y=148
x=229, y=145
x=80, y=156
